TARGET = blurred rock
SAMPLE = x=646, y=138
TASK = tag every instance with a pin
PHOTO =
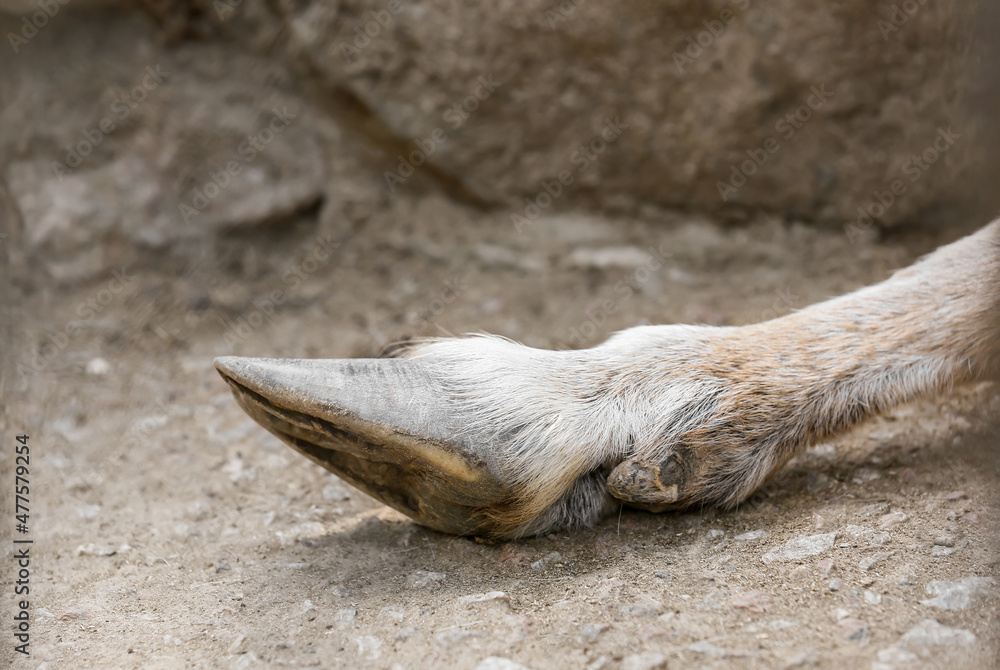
x=119, y=146
x=589, y=632
x=805, y=109
x=956, y=595
x=930, y=632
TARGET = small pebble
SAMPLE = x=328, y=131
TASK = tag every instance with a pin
x=491, y=596
x=547, y=560
x=891, y=520
x=836, y=584
x=868, y=535
x=752, y=535
x=87, y=512
x=753, y=601
x=876, y=508
x=345, y=616
x=801, y=547
x=865, y=475
x=98, y=367
x=647, y=661
x=369, y=647
x=74, y=613
x=422, y=578
x=871, y=562
x=96, y=550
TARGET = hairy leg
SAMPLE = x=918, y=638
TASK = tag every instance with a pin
x=670, y=416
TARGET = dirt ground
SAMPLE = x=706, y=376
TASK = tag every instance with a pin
x=170, y=531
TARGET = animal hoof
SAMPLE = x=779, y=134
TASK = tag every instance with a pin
x=384, y=425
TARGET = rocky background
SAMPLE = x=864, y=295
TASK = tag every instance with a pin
x=728, y=109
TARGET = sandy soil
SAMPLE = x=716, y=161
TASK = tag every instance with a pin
x=170, y=531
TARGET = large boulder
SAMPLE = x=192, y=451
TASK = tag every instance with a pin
x=805, y=108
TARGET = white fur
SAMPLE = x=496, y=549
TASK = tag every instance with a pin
x=746, y=399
